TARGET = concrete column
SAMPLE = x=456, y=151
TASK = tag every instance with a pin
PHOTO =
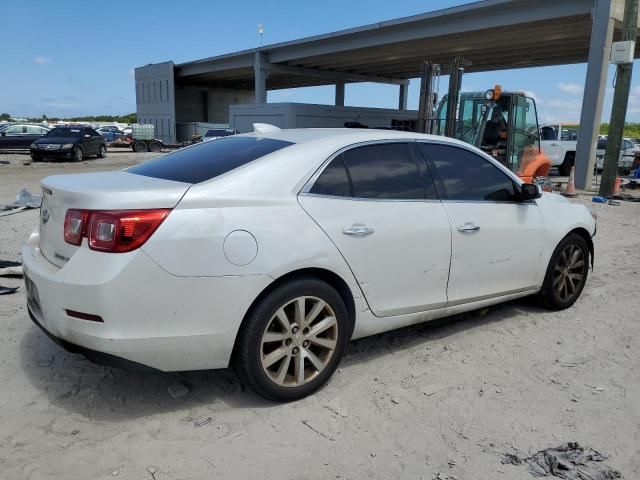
x=404, y=95
x=261, y=70
x=339, y=94
x=594, y=91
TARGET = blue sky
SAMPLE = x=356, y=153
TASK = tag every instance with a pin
x=73, y=57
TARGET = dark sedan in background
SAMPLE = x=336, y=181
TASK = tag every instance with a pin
x=20, y=136
x=75, y=143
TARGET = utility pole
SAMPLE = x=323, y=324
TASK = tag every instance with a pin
x=620, y=101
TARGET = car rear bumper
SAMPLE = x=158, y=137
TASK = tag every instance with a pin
x=149, y=317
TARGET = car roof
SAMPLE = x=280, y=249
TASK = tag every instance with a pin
x=348, y=136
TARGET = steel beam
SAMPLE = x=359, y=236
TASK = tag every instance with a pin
x=334, y=75
x=594, y=90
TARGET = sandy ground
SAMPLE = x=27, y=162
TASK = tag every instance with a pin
x=436, y=401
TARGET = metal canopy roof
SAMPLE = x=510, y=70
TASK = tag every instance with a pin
x=492, y=34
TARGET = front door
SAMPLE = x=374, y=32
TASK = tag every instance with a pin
x=378, y=205
x=497, y=241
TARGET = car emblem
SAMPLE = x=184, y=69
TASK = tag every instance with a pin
x=44, y=215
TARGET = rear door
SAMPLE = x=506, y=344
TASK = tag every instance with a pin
x=497, y=241
x=378, y=205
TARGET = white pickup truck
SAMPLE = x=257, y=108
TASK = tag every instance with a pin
x=628, y=151
x=560, y=146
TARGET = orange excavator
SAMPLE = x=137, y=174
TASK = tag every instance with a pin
x=504, y=125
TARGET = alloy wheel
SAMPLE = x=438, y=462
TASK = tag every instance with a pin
x=569, y=272
x=299, y=341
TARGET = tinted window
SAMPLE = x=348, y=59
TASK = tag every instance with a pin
x=218, y=133
x=464, y=175
x=205, y=161
x=333, y=180
x=602, y=144
x=388, y=171
x=65, y=133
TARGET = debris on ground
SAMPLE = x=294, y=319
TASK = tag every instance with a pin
x=201, y=421
x=570, y=461
x=10, y=269
x=24, y=200
x=177, y=390
x=7, y=290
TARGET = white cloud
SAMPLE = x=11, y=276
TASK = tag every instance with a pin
x=572, y=88
x=40, y=60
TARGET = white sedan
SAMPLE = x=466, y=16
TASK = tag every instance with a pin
x=270, y=251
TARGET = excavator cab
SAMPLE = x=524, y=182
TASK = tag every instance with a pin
x=502, y=124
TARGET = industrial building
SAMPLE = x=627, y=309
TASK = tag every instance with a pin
x=491, y=35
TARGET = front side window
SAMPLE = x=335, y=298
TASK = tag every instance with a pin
x=15, y=130
x=464, y=175
x=386, y=171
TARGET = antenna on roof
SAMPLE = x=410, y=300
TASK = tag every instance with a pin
x=260, y=32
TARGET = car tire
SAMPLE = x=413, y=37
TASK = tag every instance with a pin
x=140, y=147
x=565, y=168
x=102, y=151
x=566, y=273
x=36, y=158
x=78, y=155
x=283, y=358
x=155, y=147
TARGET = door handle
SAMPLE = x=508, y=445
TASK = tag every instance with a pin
x=358, y=230
x=468, y=228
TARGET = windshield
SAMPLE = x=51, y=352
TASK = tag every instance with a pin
x=218, y=133
x=65, y=133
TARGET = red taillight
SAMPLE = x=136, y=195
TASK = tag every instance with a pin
x=115, y=231
x=75, y=222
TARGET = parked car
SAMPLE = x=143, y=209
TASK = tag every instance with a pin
x=214, y=133
x=110, y=132
x=75, y=143
x=628, y=151
x=20, y=136
x=270, y=251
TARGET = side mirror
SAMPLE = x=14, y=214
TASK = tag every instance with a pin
x=529, y=191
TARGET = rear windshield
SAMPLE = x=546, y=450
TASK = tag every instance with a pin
x=65, y=133
x=207, y=160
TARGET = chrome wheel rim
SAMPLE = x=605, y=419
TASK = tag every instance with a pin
x=299, y=341
x=569, y=272
x=79, y=155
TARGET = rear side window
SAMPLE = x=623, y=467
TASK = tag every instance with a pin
x=464, y=175
x=387, y=171
x=333, y=180
x=208, y=160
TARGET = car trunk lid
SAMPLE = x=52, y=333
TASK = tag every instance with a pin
x=117, y=190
